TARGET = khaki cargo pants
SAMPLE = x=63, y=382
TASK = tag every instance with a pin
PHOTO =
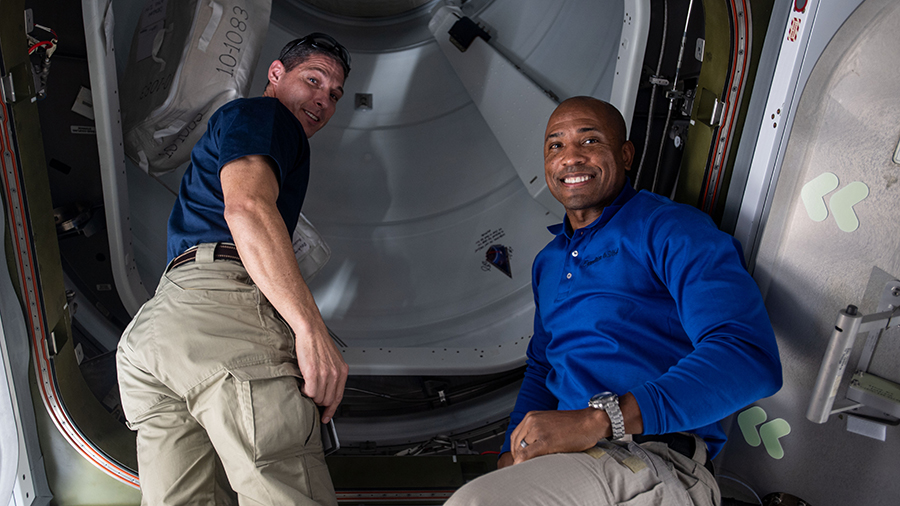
x=209, y=380
x=610, y=474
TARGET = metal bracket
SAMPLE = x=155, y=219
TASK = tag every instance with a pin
x=659, y=81
x=866, y=389
x=889, y=301
x=7, y=90
x=54, y=345
x=18, y=84
x=890, y=297
x=29, y=21
x=874, y=392
x=710, y=109
x=513, y=106
x=699, y=49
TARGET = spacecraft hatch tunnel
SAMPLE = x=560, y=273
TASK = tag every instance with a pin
x=426, y=195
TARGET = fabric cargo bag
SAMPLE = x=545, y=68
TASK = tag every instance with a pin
x=187, y=58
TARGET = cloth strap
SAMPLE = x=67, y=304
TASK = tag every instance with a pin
x=681, y=442
x=674, y=493
x=206, y=253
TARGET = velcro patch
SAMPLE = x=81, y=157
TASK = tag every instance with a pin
x=634, y=463
x=595, y=452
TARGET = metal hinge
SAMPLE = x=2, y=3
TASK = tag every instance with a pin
x=18, y=84
x=7, y=90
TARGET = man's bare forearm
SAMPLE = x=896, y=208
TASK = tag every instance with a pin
x=251, y=190
x=267, y=254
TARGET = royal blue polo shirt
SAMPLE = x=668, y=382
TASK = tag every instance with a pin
x=651, y=298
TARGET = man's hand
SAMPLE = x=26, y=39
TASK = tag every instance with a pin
x=324, y=370
x=568, y=431
x=558, y=432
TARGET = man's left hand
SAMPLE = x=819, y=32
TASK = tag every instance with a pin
x=548, y=432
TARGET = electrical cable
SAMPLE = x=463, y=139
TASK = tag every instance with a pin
x=420, y=449
x=337, y=340
x=388, y=396
x=662, y=50
x=450, y=395
x=44, y=28
x=44, y=43
x=748, y=487
x=42, y=70
x=672, y=98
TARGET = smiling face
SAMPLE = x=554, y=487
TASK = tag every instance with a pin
x=310, y=90
x=585, y=157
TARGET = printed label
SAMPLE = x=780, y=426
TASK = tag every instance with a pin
x=153, y=19
x=230, y=53
x=794, y=30
x=487, y=238
x=84, y=130
x=183, y=134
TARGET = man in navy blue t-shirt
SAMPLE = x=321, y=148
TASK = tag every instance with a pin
x=224, y=368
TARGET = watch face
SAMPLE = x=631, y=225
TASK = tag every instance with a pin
x=609, y=402
x=600, y=400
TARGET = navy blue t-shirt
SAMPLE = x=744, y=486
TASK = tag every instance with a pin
x=243, y=127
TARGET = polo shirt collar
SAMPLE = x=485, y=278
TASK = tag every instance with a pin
x=608, y=212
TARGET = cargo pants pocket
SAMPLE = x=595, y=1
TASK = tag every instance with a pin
x=279, y=422
x=268, y=435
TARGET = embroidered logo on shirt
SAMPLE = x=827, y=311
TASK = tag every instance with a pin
x=608, y=254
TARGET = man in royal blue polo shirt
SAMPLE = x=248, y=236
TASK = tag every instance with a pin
x=222, y=370
x=648, y=331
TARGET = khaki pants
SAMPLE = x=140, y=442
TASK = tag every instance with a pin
x=209, y=380
x=620, y=473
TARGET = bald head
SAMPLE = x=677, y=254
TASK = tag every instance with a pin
x=586, y=157
x=606, y=112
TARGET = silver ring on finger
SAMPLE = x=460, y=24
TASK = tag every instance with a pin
x=523, y=444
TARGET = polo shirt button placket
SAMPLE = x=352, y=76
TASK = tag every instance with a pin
x=574, y=255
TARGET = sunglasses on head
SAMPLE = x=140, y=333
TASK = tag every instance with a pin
x=324, y=43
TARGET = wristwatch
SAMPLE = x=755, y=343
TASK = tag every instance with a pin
x=609, y=402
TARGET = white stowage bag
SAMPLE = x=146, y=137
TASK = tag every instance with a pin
x=311, y=250
x=188, y=57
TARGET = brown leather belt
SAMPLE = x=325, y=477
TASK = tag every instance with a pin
x=223, y=251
